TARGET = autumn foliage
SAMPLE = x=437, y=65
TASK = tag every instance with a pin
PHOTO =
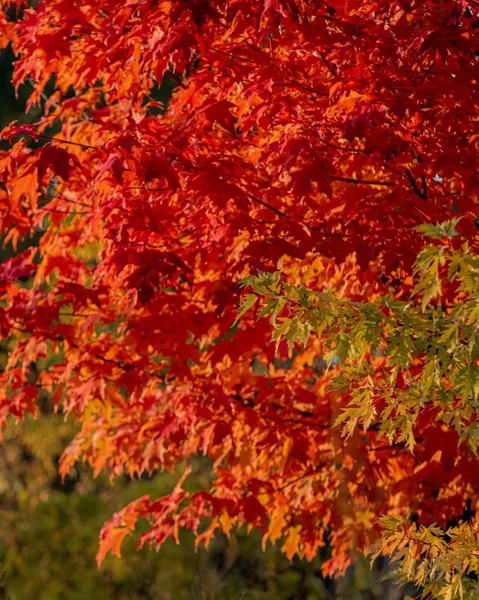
x=304, y=137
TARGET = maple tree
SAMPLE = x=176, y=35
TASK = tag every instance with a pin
x=302, y=136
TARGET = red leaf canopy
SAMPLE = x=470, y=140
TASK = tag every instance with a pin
x=305, y=135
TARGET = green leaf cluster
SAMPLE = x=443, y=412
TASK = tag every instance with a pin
x=430, y=351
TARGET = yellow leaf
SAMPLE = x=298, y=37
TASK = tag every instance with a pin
x=366, y=518
x=276, y=525
x=291, y=545
x=226, y=523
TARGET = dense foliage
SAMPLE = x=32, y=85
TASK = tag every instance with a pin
x=303, y=136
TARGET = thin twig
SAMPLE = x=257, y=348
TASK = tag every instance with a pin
x=332, y=70
x=364, y=181
x=421, y=193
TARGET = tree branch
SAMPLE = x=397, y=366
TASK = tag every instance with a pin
x=364, y=181
x=421, y=193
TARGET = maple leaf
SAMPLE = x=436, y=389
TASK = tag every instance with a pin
x=20, y=266
x=57, y=159
x=291, y=544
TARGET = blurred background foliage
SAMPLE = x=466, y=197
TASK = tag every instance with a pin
x=49, y=539
x=49, y=531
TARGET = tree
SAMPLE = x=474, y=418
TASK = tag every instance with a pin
x=302, y=136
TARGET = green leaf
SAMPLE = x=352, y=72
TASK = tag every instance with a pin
x=440, y=230
x=248, y=303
